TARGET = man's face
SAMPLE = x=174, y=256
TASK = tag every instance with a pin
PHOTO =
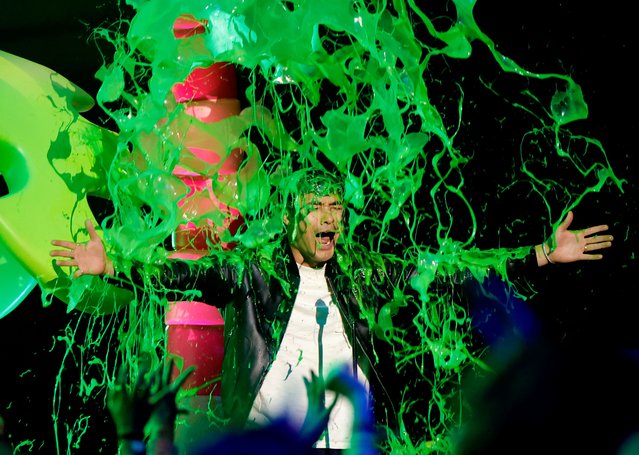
x=318, y=224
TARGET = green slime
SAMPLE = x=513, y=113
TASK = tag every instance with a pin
x=350, y=83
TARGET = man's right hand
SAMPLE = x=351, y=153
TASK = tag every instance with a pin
x=90, y=258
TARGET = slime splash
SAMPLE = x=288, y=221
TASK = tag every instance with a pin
x=361, y=88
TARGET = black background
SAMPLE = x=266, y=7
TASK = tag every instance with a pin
x=590, y=307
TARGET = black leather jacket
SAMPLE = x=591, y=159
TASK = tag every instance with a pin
x=256, y=304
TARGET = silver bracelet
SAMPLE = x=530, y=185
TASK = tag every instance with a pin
x=543, y=250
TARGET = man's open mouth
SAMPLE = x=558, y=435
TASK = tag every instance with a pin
x=325, y=238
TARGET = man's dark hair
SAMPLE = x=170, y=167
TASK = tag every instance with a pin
x=316, y=181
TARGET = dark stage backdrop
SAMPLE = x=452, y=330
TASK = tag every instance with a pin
x=591, y=308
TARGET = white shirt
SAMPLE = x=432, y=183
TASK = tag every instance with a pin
x=283, y=392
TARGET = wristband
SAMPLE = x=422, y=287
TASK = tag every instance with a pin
x=543, y=250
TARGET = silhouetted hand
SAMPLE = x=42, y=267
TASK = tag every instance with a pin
x=318, y=414
x=130, y=405
x=151, y=399
x=165, y=409
x=342, y=382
